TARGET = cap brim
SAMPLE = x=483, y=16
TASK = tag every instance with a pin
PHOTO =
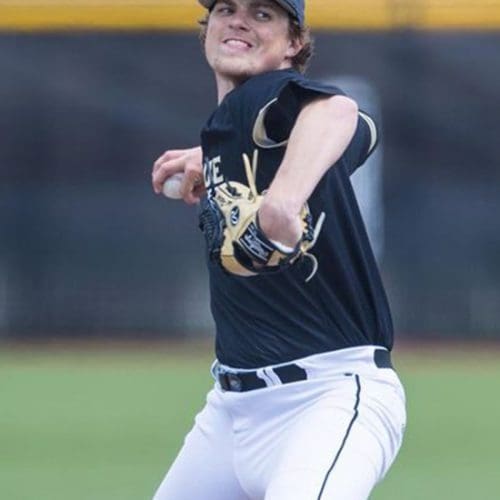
x=286, y=6
x=207, y=3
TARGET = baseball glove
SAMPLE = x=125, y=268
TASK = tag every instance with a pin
x=229, y=221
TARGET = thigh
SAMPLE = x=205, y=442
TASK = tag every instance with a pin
x=204, y=467
x=341, y=447
x=339, y=473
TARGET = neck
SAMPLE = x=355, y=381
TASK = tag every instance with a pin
x=225, y=85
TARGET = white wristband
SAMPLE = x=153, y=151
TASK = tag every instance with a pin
x=281, y=247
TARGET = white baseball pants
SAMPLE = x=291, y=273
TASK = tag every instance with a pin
x=330, y=437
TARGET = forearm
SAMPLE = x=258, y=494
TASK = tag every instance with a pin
x=322, y=132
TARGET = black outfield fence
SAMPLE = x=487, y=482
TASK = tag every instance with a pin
x=87, y=249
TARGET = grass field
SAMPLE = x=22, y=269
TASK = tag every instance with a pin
x=105, y=424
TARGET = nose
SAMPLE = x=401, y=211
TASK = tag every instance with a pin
x=239, y=20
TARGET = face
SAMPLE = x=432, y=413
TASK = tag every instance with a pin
x=248, y=37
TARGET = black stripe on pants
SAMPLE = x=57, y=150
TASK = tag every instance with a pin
x=349, y=427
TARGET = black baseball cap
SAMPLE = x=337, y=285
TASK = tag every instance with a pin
x=294, y=7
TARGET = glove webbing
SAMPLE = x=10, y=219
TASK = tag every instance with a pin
x=312, y=233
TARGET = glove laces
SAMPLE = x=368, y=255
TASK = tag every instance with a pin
x=251, y=173
x=312, y=258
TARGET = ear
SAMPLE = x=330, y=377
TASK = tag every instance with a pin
x=294, y=47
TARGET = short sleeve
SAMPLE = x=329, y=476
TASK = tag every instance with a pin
x=276, y=119
x=363, y=143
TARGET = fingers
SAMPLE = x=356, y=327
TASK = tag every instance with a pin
x=194, y=197
x=171, y=154
x=194, y=154
x=164, y=169
x=192, y=186
x=188, y=161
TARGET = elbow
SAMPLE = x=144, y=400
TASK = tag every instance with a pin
x=343, y=108
x=341, y=117
x=333, y=109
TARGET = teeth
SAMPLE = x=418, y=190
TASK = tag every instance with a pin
x=237, y=43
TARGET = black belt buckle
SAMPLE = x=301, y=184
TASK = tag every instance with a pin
x=249, y=381
x=230, y=382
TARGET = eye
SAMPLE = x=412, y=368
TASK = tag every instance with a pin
x=224, y=9
x=263, y=15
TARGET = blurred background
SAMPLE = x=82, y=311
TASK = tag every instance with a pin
x=91, y=93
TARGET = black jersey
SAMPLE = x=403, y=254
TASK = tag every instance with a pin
x=275, y=318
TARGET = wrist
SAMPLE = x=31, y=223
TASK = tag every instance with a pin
x=279, y=225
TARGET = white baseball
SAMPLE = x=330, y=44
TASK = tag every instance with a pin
x=172, y=186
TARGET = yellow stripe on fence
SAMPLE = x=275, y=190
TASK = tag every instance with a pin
x=475, y=14
x=39, y=15
x=103, y=15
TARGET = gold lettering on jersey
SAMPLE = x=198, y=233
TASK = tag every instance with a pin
x=212, y=173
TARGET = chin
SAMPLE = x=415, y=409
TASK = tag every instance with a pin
x=235, y=69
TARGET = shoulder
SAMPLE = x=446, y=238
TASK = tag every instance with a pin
x=260, y=89
x=275, y=112
x=273, y=83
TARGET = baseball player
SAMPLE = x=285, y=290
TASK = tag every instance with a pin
x=306, y=404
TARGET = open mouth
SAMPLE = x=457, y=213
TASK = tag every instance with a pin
x=237, y=43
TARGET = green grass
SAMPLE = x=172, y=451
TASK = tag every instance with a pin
x=106, y=425
x=452, y=442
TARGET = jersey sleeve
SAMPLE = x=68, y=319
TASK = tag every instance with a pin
x=277, y=117
x=363, y=143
